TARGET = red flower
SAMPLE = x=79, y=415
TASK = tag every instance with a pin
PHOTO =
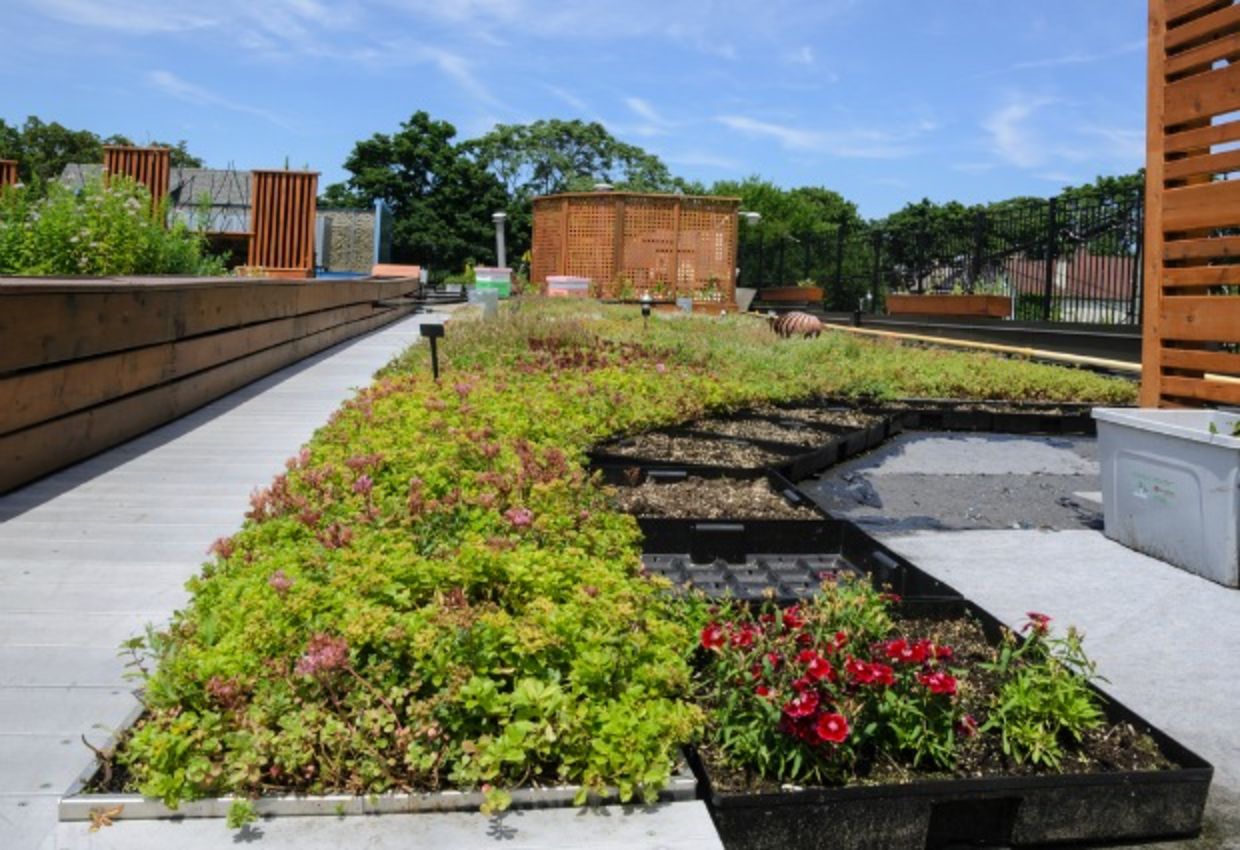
x=893, y=598
x=802, y=705
x=743, y=638
x=938, y=682
x=802, y=684
x=793, y=619
x=832, y=727
x=866, y=673
x=763, y=691
x=805, y=639
x=943, y=653
x=1038, y=622
x=841, y=639
x=820, y=669
x=905, y=652
x=967, y=727
x=713, y=637
x=774, y=659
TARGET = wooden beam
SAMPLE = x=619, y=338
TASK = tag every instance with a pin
x=1151, y=389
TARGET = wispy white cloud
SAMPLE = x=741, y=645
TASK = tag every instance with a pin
x=803, y=55
x=568, y=97
x=849, y=144
x=175, y=87
x=459, y=69
x=1068, y=59
x=137, y=17
x=1012, y=139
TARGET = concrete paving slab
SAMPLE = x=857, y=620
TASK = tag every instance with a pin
x=100, y=596
x=24, y=819
x=671, y=826
x=62, y=711
x=61, y=667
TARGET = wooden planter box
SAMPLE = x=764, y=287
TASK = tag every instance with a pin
x=798, y=294
x=989, y=306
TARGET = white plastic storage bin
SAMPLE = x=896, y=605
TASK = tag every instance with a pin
x=1171, y=486
x=568, y=286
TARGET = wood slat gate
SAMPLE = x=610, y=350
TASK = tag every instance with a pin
x=1191, y=351
x=282, y=216
x=8, y=172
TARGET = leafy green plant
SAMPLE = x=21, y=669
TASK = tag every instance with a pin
x=1045, y=695
x=101, y=230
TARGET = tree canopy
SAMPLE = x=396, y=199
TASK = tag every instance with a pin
x=441, y=199
x=42, y=149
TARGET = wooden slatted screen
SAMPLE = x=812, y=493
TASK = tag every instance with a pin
x=1191, y=354
x=680, y=245
x=148, y=166
x=8, y=172
x=282, y=221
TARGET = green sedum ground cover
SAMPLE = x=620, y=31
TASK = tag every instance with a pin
x=435, y=593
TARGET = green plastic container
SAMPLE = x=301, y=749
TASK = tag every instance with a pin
x=503, y=287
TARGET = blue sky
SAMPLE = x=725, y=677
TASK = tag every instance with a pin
x=885, y=101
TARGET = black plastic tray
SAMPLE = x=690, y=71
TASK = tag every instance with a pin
x=1086, y=809
x=731, y=557
x=1011, y=417
x=795, y=461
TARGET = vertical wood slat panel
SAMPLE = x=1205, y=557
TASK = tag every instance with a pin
x=282, y=220
x=1191, y=309
x=149, y=166
x=8, y=172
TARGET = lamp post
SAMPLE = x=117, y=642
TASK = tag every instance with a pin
x=433, y=332
x=500, y=254
x=645, y=300
x=750, y=220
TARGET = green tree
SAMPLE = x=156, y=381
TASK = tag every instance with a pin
x=42, y=150
x=550, y=156
x=441, y=199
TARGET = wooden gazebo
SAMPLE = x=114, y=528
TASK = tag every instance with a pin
x=629, y=244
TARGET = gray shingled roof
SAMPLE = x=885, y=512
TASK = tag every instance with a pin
x=228, y=191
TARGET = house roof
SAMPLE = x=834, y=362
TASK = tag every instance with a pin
x=224, y=191
x=186, y=186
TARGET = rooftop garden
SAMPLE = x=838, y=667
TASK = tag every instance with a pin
x=437, y=593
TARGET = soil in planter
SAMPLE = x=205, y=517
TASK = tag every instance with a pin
x=832, y=421
x=709, y=498
x=1110, y=748
x=698, y=449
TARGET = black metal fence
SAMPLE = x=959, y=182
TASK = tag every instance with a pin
x=1067, y=259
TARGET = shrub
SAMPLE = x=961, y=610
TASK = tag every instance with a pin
x=101, y=230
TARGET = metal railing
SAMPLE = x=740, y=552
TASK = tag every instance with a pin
x=1066, y=259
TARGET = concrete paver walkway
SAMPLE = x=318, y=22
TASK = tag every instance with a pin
x=92, y=554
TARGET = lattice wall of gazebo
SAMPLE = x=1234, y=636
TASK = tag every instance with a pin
x=628, y=243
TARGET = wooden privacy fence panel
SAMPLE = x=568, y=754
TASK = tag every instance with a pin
x=86, y=365
x=148, y=166
x=1191, y=352
x=629, y=243
x=8, y=172
x=282, y=216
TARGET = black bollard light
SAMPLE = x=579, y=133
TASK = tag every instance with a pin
x=433, y=333
x=645, y=310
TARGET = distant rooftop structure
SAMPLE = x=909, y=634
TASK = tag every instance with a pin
x=221, y=196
